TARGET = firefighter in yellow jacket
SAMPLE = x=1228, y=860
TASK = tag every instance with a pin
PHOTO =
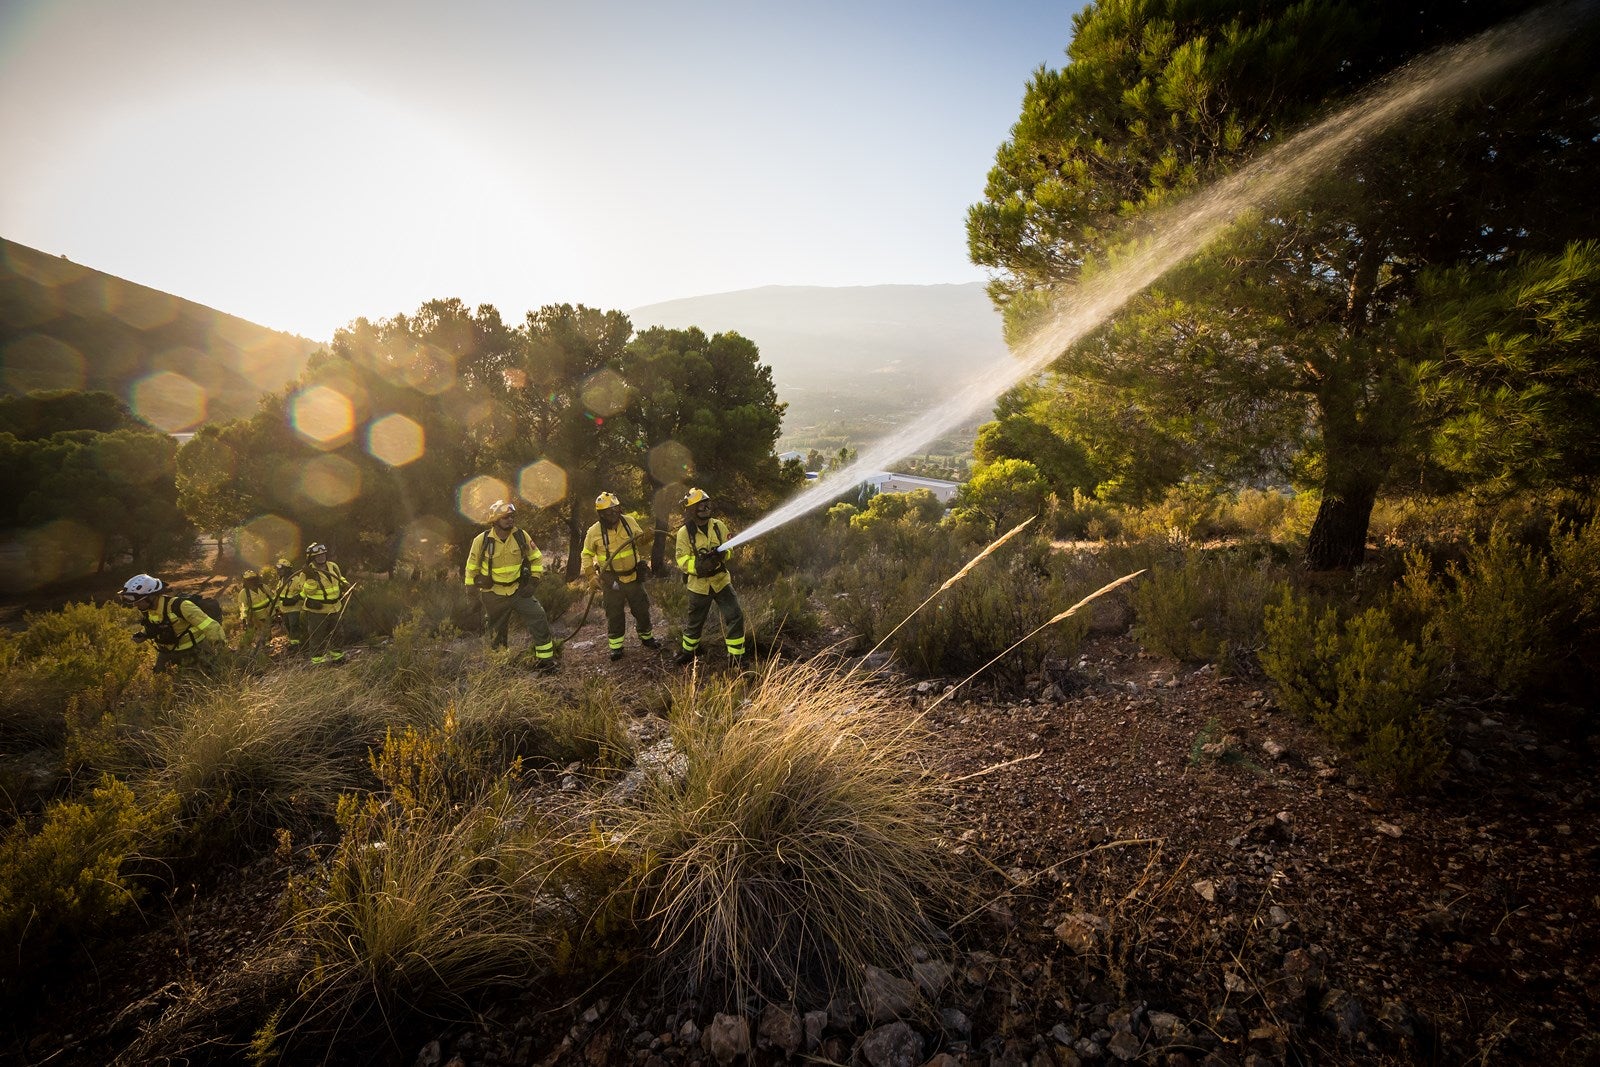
x=288, y=607
x=705, y=567
x=502, y=566
x=320, y=588
x=256, y=606
x=611, y=554
x=185, y=636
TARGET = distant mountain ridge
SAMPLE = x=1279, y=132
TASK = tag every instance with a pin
x=67, y=326
x=854, y=359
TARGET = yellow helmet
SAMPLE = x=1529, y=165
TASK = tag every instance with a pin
x=606, y=500
x=696, y=496
x=249, y=576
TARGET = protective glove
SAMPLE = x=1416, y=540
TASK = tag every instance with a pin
x=482, y=581
x=140, y=638
x=707, y=561
x=642, y=569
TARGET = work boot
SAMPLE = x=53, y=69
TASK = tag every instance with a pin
x=544, y=666
x=650, y=643
x=616, y=654
x=683, y=657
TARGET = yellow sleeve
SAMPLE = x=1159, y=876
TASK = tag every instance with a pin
x=591, y=541
x=199, y=622
x=474, y=557
x=685, y=549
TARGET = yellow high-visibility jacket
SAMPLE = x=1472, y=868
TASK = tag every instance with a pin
x=500, y=559
x=691, y=539
x=613, y=551
x=318, y=589
x=190, y=625
x=257, y=606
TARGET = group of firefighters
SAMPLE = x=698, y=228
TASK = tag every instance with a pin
x=502, y=566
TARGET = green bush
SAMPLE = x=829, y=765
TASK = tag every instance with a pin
x=781, y=611
x=61, y=654
x=1367, y=687
x=1204, y=608
x=504, y=713
x=1084, y=518
x=801, y=846
x=1495, y=613
x=72, y=878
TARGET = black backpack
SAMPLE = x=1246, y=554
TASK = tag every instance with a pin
x=163, y=632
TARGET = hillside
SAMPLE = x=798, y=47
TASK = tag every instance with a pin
x=67, y=326
x=855, y=360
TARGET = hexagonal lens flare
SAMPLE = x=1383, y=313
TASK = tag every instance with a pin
x=543, y=483
x=331, y=481
x=396, y=440
x=168, y=401
x=266, y=539
x=474, y=496
x=323, y=416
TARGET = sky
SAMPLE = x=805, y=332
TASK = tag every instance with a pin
x=302, y=163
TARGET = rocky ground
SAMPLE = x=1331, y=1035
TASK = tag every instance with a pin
x=1177, y=872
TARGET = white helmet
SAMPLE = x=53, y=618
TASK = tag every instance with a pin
x=140, y=586
x=500, y=508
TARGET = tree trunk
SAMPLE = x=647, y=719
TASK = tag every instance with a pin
x=574, y=546
x=658, y=548
x=1338, y=539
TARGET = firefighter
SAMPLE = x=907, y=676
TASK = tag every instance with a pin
x=502, y=566
x=184, y=634
x=320, y=588
x=288, y=608
x=611, y=553
x=256, y=604
x=705, y=568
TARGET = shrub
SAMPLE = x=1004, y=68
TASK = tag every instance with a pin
x=504, y=713
x=61, y=654
x=1367, y=687
x=1186, y=513
x=1084, y=518
x=802, y=845
x=254, y=753
x=781, y=611
x=72, y=878
x=431, y=896
x=1205, y=608
x=1494, y=612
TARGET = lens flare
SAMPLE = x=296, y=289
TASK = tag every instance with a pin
x=331, y=481
x=36, y=361
x=266, y=539
x=324, y=416
x=605, y=393
x=168, y=401
x=474, y=497
x=670, y=462
x=395, y=439
x=543, y=483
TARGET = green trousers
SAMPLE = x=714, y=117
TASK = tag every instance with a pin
x=732, y=620
x=497, y=611
x=614, y=597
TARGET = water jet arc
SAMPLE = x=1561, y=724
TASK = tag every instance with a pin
x=1188, y=227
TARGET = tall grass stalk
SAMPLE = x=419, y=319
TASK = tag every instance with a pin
x=972, y=563
x=801, y=846
x=1067, y=614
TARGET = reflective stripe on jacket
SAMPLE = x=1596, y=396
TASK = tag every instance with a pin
x=500, y=559
x=612, y=551
x=319, y=588
x=255, y=606
x=691, y=539
x=190, y=624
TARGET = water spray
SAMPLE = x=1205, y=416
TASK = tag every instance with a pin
x=1186, y=229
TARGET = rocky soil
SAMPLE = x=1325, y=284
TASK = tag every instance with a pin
x=1175, y=872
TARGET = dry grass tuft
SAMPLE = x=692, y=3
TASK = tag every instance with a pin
x=802, y=845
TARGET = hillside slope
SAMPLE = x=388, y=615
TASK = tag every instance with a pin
x=67, y=326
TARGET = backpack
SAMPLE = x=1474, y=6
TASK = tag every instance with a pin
x=163, y=633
